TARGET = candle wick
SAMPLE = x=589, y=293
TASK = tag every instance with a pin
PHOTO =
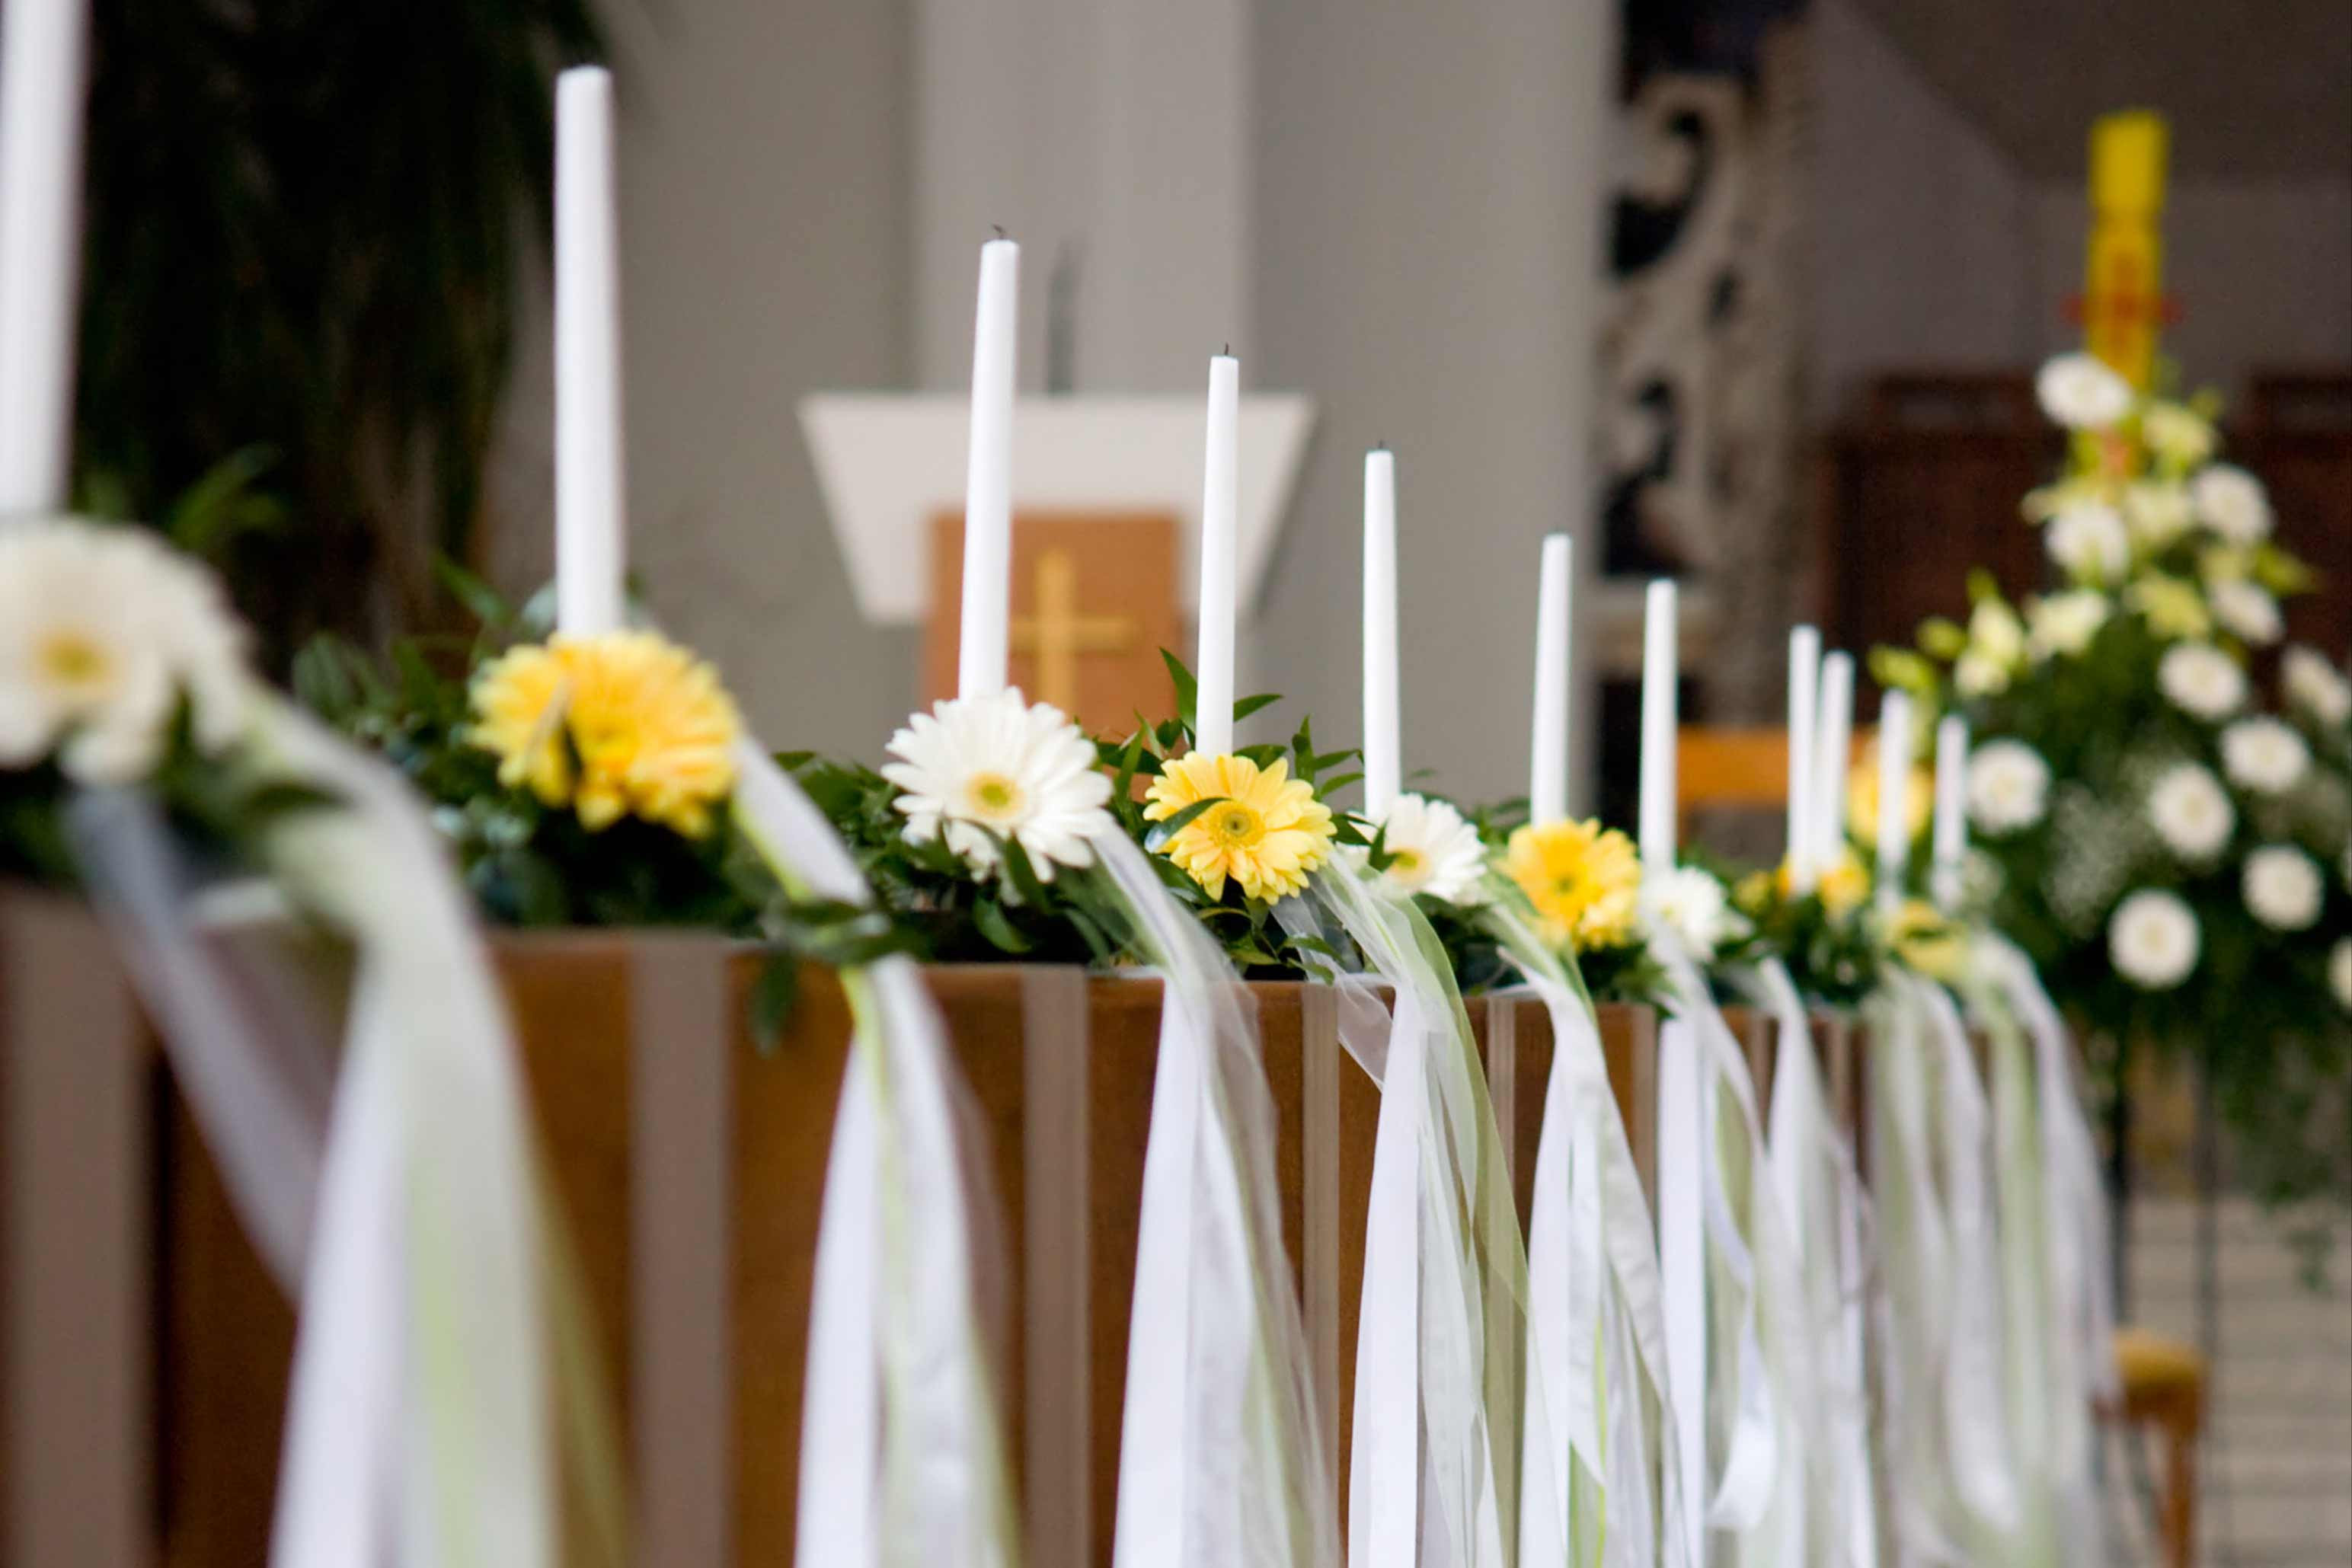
x=999, y=228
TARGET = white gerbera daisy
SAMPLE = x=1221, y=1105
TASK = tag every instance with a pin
x=2153, y=940
x=2065, y=624
x=2191, y=812
x=2246, y=610
x=2176, y=432
x=1691, y=902
x=2282, y=888
x=2089, y=540
x=2314, y=686
x=1433, y=850
x=2079, y=392
x=104, y=631
x=996, y=763
x=2263, y=755
x=2201, y=680
x=2231, y=502
x=2339, y=973
x=2008, y=787
x=2158, y=511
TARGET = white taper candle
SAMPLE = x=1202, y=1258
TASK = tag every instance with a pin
x=1213, y=726
x=1383, y=760
x=1832, y=761
x=987, y=610
x=43, y=43
x=1893, y=794
x=1951, y=808
x=1804, y=746
x=1548, y=776
x=591, y=524
x=1660, y=674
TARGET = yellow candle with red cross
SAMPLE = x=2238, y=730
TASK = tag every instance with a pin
x=2123, y=272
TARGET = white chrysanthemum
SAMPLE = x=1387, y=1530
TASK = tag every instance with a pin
x=2079, y=392
x=2191, y=812
x=2153, y=940
x=2089, y=540
x=2247, y=611
x=2314, y=686
x=2339, y=973
x=1433, y=850
x=1692, y=903
x=997, y=763
x=2176, y=432
x=2201, y=680
x=2282, y=887
x=2008, y=787
x=2263, y=755
x=2158, y=511
x=2231, y=503
x=2065, y=624
x=103, y=630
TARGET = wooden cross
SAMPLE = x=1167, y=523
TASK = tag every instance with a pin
x=1057, y=634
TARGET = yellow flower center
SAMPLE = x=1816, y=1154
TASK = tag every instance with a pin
x=993, y=797
x=71, y=659
x=1234, y=825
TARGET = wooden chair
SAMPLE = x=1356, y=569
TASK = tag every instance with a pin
x=2162, y=1380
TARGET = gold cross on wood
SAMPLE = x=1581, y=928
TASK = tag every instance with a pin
x=1056, y=635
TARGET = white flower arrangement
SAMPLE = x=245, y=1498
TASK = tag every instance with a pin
x=2008, y=787
x=2264, y=755
x=2232, y=503
x=2191, y=812
x=2246, y=610
x=2176, y=433
x=1432, y=849
x=1019, y=771
x=2088, y=539
x=104, y=633
x=2153, y=940
x=2079, y=392
x=2282, y=888
x=2201, y=681
x=1691, y=902
x=2065, y=624
x=2314, y=686
x=2158, y=512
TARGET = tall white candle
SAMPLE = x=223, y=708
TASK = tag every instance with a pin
x=1833, y=759
x=1547, y=779
x=1951, y=808
x=1659, y=672
x=1804, y=743
x=1212, y=727
x=591, y=542
x=988, y=478
x=43, y=43
x=1893, y=794
x=1383, y=761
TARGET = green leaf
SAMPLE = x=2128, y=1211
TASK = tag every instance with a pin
x=773, y=996
x=998, y=927
x=1250, y=704
x=483, y=603
x=1188, y=690
x=1162, y=831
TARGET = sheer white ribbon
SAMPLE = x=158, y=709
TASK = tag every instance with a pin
x=1220, y=1455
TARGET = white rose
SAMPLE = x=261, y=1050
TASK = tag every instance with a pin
x=2263, y=755
x=2191, y=812
x=2065, y=622
x=2089, y=540
x=2282, y=888
x=2177, y=432
x=2231, y=503
x=2201, y=680
x=2153, y=940
x=2079, y=392
x=2312, y=684
x=2158, y=511
x=1690, y=902
x=2339, y=973
x=2247, y=610
x=2008, y=785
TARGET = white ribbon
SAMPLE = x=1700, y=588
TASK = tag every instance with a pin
x=902, y=1450
x=1221, y=1454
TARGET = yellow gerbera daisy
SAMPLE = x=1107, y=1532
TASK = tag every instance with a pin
x=1267, y=832
x=1862, y=798
x=1584, y=880
x=1923, y=938
x=625, y=723
x=1842, y=886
